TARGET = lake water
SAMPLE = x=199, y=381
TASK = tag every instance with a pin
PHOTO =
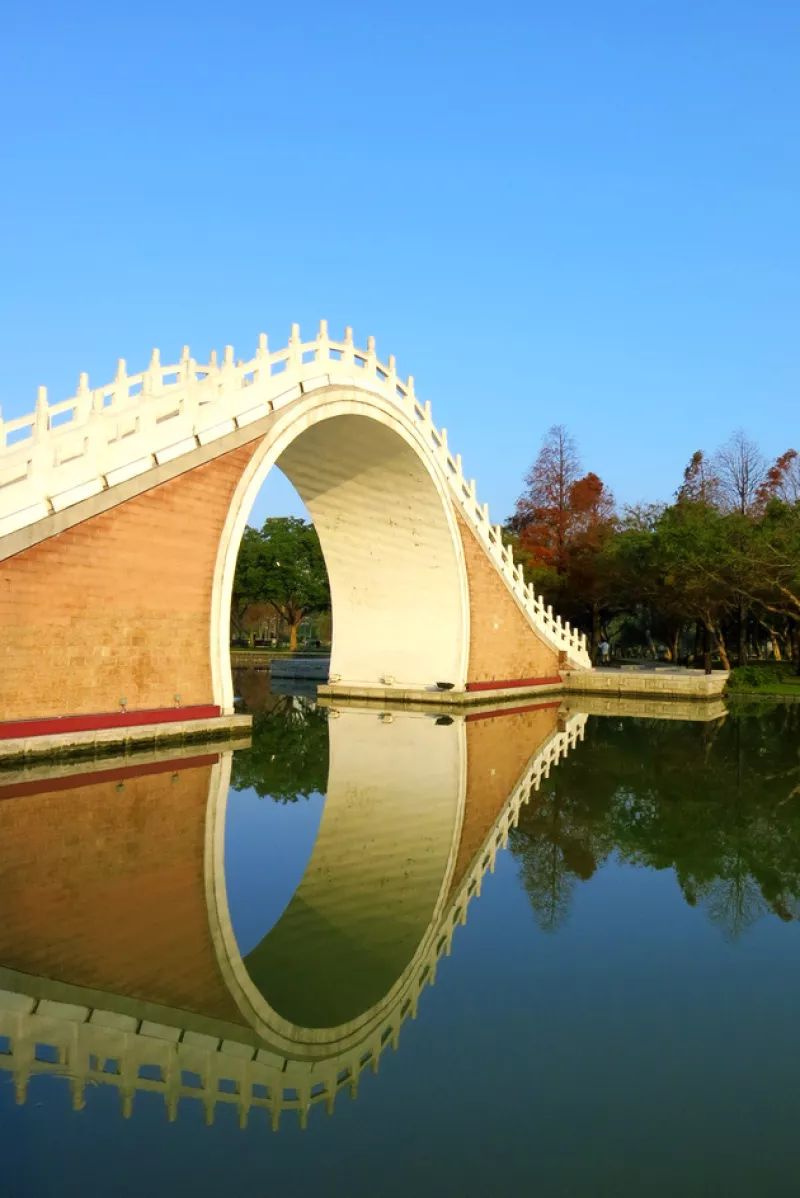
x=531, y=951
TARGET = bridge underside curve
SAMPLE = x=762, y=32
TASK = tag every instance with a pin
x=392, y=554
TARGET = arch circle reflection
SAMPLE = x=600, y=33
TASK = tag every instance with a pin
x=406, y=837
x=374, y=890
x=406, y=796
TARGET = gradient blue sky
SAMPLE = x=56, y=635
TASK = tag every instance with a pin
x=575, y=212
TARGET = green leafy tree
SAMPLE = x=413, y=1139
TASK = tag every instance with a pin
x=773, y=576
x=693, y=562
x=723, y=558
x=281, y=564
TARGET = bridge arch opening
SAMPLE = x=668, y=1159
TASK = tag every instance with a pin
x=399, y=594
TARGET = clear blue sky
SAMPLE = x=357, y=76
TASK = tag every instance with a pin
x=578, y=212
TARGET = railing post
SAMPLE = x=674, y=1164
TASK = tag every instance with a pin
x=121, y=385
x=411, y=398
x=262, y=359
x=391, y=378
x=228, y=368
x=294, y=359
x=42, y=415
x=151, y=379
x=347, y=352
x=371, y=359
x=323, y=347
x=83, y=400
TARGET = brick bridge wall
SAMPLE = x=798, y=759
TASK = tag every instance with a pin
x=498, y=750
x=502, y=645
x=119, y=606
x=104, y=888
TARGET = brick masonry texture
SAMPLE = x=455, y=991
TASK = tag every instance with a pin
x=119, y=605
x=104, y=888
x=498, y=751
x=502, y=644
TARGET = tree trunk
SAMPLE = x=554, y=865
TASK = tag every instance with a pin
x=293, y=636
x=675, y=643
x=718, y=637
x=741, y=648
x=723, y=652
x=597, y=631
x=698, y=643
x=707, y=649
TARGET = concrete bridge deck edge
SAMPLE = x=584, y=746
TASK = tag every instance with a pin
x=444, y=701
x=655, y=684
x=133, y=738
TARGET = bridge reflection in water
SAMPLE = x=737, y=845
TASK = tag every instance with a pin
x=119, y=964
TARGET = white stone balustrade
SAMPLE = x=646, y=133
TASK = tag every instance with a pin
x=66, y=452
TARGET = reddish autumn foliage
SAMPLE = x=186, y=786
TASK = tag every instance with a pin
x=561, y=513
x=592, y=508
x=543, y=510
x=700, y=483
x=782, y=480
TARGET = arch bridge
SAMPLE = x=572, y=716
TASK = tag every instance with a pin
x=122, y=509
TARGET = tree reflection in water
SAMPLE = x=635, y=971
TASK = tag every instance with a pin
x=288, y=758
x=717, y=803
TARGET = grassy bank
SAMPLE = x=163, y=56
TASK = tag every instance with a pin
x=765, y=678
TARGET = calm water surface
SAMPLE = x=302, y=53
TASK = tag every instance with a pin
x=540, y=952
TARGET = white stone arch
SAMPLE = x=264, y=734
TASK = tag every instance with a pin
x=433, y=772
x=427, y=577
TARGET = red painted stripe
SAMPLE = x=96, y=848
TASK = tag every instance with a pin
x=109, y=719
x=492, y=715
x=506, y=685
x=95, y=777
